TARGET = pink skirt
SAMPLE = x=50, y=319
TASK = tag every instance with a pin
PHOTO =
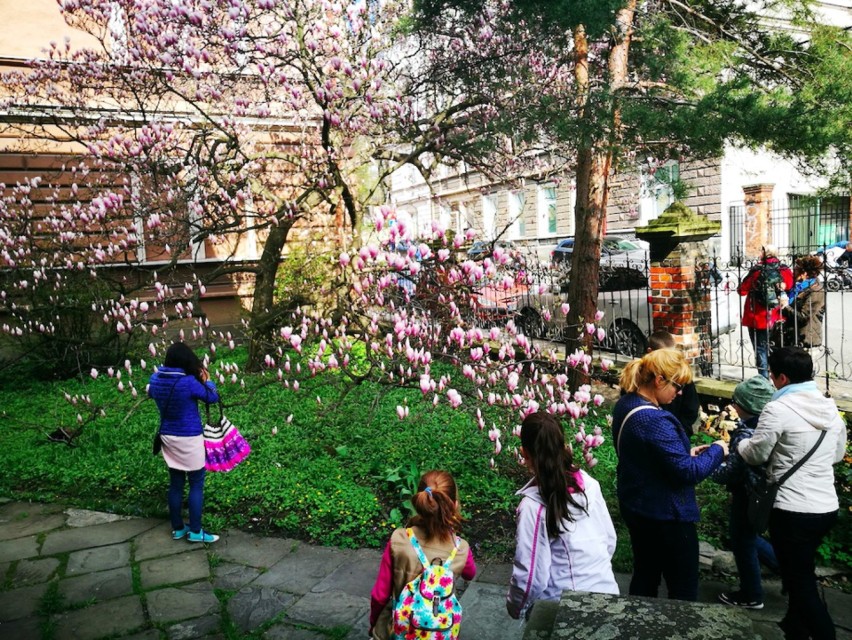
x=184, y=453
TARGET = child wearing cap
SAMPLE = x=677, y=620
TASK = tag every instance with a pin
x=748, y=546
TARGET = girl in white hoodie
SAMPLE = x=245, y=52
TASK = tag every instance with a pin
x=565, y=537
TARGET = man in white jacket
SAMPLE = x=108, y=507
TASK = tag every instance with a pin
x=806, y=506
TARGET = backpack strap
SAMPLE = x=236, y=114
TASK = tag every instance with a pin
x=624, y=423
x=422, y=556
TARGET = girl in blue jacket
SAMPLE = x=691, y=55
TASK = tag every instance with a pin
x=177, y=387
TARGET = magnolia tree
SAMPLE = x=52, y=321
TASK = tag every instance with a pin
x=195, y=132
x=192, y=129
x=412, y=323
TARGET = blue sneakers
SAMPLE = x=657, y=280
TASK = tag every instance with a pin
x=202, y=536
x=178, y=534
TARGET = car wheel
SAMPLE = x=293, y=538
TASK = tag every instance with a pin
x=834, y=284
x=531, y=323
x=626, y=338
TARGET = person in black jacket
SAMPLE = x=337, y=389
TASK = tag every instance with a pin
x=685, y=405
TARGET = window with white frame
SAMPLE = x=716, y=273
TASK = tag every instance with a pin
x=517, y=226
x=489, y=217
x=547, y=210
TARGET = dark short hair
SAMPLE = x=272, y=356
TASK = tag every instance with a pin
x=794, y=362
x=180, y=356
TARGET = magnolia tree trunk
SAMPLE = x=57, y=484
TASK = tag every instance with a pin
x=263, y=316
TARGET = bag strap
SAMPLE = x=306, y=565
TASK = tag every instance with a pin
x=168, y=402
x=414, y=543
x=221, y=411
x=624, y=423
x=422, y=556
x=804, y=459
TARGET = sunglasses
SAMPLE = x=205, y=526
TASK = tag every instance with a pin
x=676, y=385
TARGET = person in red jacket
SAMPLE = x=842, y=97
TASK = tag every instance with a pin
x=757, y=318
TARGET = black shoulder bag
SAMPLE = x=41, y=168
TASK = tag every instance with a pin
x=762, y=494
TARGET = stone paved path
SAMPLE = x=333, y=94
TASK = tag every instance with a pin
x=68, y=574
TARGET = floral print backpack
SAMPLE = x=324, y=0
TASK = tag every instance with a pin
x=427, y=608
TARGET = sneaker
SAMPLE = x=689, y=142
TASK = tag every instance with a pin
x=735, y=599
x=178, y=534
x=207, y=538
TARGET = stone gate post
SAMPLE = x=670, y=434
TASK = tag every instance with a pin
x=757, y=222
x=680, y=297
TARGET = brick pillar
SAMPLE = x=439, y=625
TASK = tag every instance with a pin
x=757, y=225
x=678, y=304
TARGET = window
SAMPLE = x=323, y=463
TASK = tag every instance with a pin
x=658, y=190
x=547, y=210
x=489, y=217
x=517, y=226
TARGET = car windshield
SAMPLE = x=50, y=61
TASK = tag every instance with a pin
x=620, y=244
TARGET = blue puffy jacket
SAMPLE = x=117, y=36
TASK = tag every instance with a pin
x=177, y=395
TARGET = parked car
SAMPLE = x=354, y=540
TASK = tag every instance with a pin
x=483, y=248
x=615, y=250
x=624, y=297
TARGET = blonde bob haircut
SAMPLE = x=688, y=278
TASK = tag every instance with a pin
x=668, y=363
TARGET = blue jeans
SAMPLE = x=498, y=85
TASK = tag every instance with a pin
x=796, y=537
x=177, y=480
x=760, y=341
x=663, y=549
x=749, y=548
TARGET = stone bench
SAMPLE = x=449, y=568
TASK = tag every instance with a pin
x=596, y=616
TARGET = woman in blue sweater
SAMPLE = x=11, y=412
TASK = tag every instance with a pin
x=177, y=387
x=657, y=473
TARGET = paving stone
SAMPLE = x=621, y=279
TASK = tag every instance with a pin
x=96, y=536
x=250, y=607
x=26, y=524
x=196, y=628
x=23, y=629
x=314, y=609
x=287, y=632
x=302, y=570
x=494, y=573
x=356, y=576
x=101, y=585
x=175, y=604
x=4, y=569
x=18, y=548
x=34, y=571
x=360, y=628
x=20, y=603
x=157, y=543
x=13, y=509
x=110, y=618
x=148, y=634
x=86, y=518
x=98, y=559
x=244, y=548
x=484, y=613
x=233, y=576
x=186, y=567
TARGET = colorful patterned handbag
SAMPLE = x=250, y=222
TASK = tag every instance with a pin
x=224, y=446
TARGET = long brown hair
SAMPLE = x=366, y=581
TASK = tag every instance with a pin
x=553, y=464
x=436, y=503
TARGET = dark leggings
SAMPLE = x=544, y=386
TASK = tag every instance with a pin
x=177, y=479
x=663, y=549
